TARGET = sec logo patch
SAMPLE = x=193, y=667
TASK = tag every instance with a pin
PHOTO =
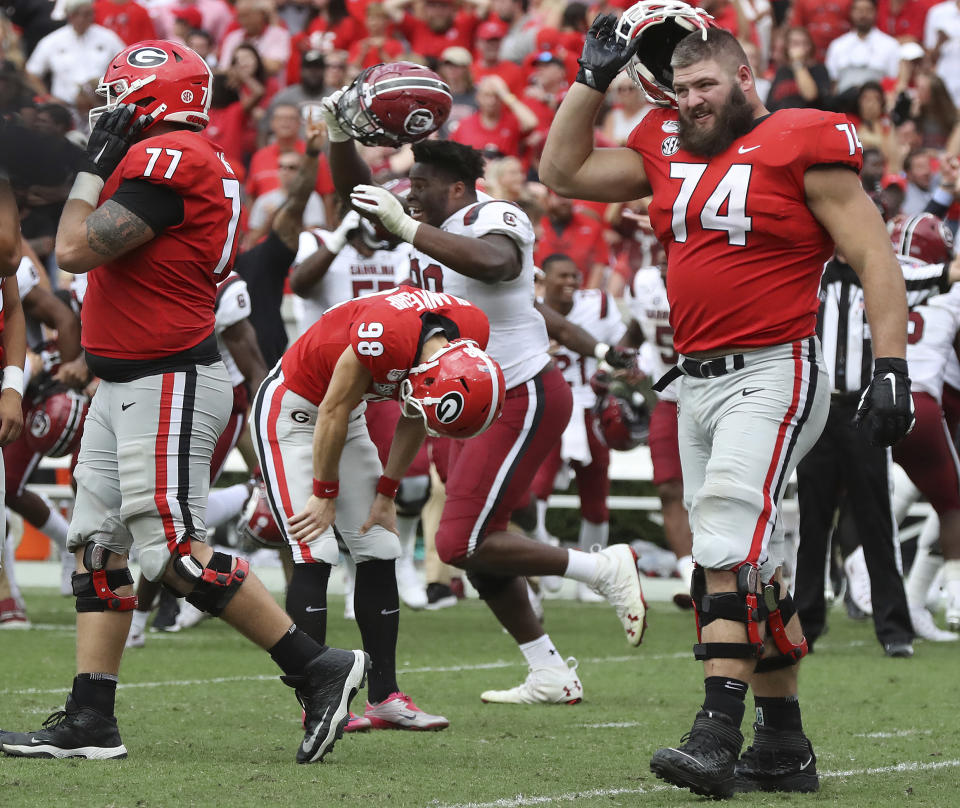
x=670, y=146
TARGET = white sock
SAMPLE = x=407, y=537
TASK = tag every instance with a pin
x=56, y=528
x=593, y=534
x=541, y=517
x=541, y=653
x=139, y=622
x=10, y=568
x=225, y=504
x=581, y=566
x=925, y=566
x=407, y=528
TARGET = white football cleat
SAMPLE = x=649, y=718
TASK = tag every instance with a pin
x=397, y=711
x=952, y=590
x=926, y=629
x=855, y=566
x=586, y=595
x=554, y=685
x=618, y=581
x=190, y=615
x=135, y=639
x=412, y=591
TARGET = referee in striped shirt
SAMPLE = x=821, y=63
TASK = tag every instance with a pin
x=843, y=459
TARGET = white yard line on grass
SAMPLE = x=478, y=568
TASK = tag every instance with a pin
x=897, y=733
x=521, y=800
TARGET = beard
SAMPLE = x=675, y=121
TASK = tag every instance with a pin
x=733, y=119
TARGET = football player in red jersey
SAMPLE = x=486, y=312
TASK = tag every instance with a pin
x=420, y=348
x=748, y=206
x=152, y=218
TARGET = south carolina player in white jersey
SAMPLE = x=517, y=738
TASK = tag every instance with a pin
x=338, y=265
x=596, y=312
x=482, y=250
x=647, y=299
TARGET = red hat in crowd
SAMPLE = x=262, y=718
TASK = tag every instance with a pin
x=190, y=15
x=492, y=29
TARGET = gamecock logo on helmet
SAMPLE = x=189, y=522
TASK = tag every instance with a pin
x=39, y=424
x=418, y=122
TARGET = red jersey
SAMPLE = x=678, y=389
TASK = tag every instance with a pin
x=265, y=171
x=157, y=300
x=744, y=252
x=581, y=240
x=504, y=137
x=427, y=42
x=129, y=21
x=510, y=72
x=384, y=330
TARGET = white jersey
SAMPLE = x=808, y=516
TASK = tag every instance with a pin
x=518, y=334
x=597, y=314
x=931, y=332
x=349, y=276
x=28, y=278
x=232, y=305
x=649, y=307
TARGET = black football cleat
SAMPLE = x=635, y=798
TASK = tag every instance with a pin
x=706, y=761
x=325, y=689
x=79, y=732
x=778, y=760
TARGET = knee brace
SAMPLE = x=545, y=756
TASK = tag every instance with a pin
x=213, y=585
x=412, y=495
x=94, y=590
x=790, y=653
x=487, y=585
x=743, y=606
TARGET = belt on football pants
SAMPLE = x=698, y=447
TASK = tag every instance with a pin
x=701, y=369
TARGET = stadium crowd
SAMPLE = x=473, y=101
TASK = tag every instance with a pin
x=891, y=67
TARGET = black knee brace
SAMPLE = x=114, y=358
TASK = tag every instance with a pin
x=213, y=585
x=487, y=585
x=94, y=590
x=743, y=606
x=790, y=653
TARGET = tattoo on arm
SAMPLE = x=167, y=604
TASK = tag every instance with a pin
x=113, y=230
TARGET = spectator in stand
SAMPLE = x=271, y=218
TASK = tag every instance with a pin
x=186, y=20
x=873, y=125
x=505, y=179
x=377, y=46
x=264, y=174
x=267, y=204
x=295, y=15
x=216, y=16
x=576, y=235
x=871, y=174
x=126, y=18
x=489, y=38
x=332, y=28
x=941, y=38
x=500, y=122
x=629, y=107
x=232, y=125
x=73, y=55
x=902, y=19
x=455, y=69
x=16, y=100
x=921, y=181
x=801, y=81
x=203, y=44
x=729, y=15
x=936, y=114
x=825, y=20
x=272, y=41
x=441, y=26
x=335, y=69
x=863, y=54
x=311, y=88
x=522, y=26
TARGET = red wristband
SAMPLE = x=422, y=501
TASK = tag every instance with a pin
x=387, y=486
x=326, y=489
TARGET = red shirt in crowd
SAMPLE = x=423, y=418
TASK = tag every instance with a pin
x=581, y=239
x=426, y=42
x=503, y=138
x=510, y=72
x=907, y=22
x=364, y=55
x=265, y=171
x=825, y=20
x=129, y=21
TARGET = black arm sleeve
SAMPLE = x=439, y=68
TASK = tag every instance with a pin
x=159, y=206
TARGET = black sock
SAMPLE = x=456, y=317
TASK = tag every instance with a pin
x=294, y=650
x=307, y=599
x=378, y=616
x=97, y=691
x=780, y=714
x=725, y=695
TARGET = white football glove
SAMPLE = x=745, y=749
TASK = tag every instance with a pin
x=337, y=240
x=329, y=107
x=387, y=208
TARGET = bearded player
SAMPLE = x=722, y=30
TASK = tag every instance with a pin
x=152, y=218
x=748, y=206
x=481, y=249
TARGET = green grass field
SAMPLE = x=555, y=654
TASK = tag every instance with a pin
x=208, y=723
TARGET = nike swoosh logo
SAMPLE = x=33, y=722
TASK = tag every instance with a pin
x=743, y=150
x=100, y=154
x=751, y=391
x=308, y=743
x=310, y=609
x=126, y=407
x=391, y=611
x=804, y=765
x=409, y=716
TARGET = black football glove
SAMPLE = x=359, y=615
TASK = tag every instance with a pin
x=111, y=138
x=886, y=406
x=604, y=56
x=617, y=358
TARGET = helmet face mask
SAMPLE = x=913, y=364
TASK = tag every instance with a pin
x=922, y=236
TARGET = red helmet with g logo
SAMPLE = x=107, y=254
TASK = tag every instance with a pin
x=164, y=79
x=921, y=236
x=391, y=104
x=458, y=391
x=256, y=523
x=54, y=424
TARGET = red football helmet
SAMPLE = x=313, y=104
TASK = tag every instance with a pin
x=392, y=104
x=257, y=524
x=458, y=391
x=164, y=79
x=922, y=236
x=660, y=26
x=621, y=422
x=54, y=424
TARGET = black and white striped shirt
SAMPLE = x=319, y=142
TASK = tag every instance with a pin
x=842, y=325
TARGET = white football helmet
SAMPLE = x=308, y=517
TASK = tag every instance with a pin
x=660, y=27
